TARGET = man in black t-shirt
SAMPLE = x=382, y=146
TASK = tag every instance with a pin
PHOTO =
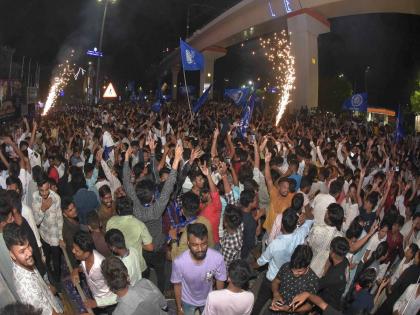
x=333, y=283
x=248, y=202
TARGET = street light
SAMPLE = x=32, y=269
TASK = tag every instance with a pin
x=367, y=69
x=100, y=45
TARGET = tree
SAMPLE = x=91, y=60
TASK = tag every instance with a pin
x=415, y=97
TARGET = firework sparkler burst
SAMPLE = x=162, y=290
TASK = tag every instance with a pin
x=63, y=73
x=277, y=51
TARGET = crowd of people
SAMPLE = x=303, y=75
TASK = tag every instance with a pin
x=319, y=214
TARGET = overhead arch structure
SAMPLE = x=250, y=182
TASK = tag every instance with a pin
x=304, y=20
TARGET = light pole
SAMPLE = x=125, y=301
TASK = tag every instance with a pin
x=367, y=69
x=98, y=66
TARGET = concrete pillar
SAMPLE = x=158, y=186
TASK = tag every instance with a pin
x=207, y=74
x=304, y=26
x=174, y=86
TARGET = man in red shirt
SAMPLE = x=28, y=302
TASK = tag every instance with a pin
x=211, y=206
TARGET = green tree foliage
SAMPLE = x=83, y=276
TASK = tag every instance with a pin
x=415, y=97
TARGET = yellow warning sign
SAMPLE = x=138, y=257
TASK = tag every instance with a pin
x=110, y=91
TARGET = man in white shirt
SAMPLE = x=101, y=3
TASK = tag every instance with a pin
x=413, y=236
x=46, y=208
x=374, y=241
x=30, y=286
x=233, y=300
x=129, y=256
x=83, y=250
x=322, y=201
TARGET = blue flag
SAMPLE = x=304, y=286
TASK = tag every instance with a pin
x=192, y=59
x=238, y=96
x=247, y=115
x=107, y=152
x=200, y=102
x=399, y=131
x=357, y=102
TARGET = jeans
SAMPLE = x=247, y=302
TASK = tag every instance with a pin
x=156, y=260
x=190, y=309
x=53, y=259
x=264, y=294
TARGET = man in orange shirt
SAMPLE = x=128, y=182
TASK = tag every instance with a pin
x=280, y=196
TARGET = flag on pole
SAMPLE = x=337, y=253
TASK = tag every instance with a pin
x=238, y=96
x=192, y=59
x=203, y=98
x=247, y=115
x=399, y=131
x=357, y=102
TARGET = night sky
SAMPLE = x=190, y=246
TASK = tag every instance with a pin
x=138, y=33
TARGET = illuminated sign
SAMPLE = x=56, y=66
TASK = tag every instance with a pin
x=95, y=52
x=110, y=91
x=287, y=6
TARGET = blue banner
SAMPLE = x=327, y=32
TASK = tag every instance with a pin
x=247, y=115
x=203, y=98
x=238, y=96
x=399, y=131
x=357, y=102
x=192, y=59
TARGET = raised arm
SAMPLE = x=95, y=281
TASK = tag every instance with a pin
x=257, y=159
x=230, y=144
x=223, y=173
x=267, y=171
x=359, y=187
x=33, y=134
x=24, y=163
x=384, y=196
x=204, y=169
x=128, y=186
x=214, y=143
x=163, y=159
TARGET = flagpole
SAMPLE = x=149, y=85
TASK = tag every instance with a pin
x=188, y=96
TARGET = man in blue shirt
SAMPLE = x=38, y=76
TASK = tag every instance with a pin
x=280, y=251
x=293, y=169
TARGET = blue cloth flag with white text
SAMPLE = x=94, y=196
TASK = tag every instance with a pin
x=357, y=102
x=192, y=59
x=238, y=96
x=247, y=115
x=200, y=102
x=399, y=132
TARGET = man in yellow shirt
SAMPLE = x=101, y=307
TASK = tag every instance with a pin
x=280, y=196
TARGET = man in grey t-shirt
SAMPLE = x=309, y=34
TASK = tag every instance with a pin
x=142, y=298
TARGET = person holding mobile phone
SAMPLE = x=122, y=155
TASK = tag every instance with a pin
x=292, y=279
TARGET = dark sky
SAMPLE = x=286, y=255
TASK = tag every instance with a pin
x=138, y=31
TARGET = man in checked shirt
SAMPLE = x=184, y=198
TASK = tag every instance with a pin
x=49, y=218
x=232, y=239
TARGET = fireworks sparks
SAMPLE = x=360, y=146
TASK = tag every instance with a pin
x=277, y=51
x=63, y=74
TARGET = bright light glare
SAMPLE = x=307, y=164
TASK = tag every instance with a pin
x=277, y=51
